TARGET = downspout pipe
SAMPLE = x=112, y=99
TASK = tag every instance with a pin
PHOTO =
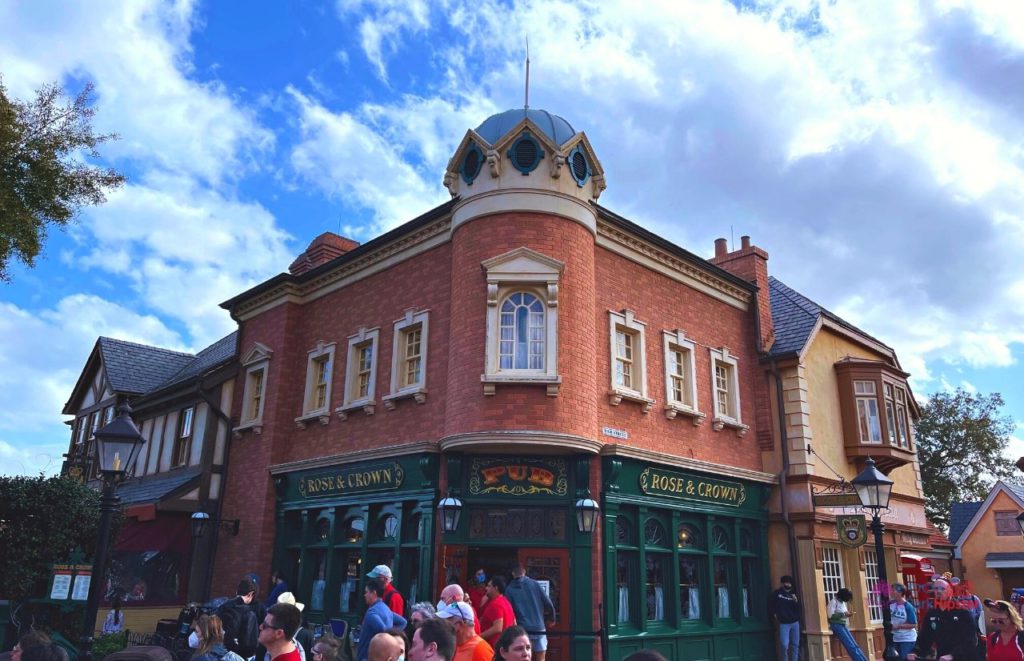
x=783, y=476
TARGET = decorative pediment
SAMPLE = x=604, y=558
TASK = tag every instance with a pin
x=256, y=354
x=522, y=265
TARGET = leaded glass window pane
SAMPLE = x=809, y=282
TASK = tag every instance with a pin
x=522, y=334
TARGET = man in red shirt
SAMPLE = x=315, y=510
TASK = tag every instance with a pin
x=497, y=614
x=392, y=598
x=277, y=631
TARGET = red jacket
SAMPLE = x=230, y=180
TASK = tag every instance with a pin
x=394, y=600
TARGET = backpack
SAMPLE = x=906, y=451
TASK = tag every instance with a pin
x=241, y=630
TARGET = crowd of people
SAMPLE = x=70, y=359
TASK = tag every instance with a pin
x=952, y=624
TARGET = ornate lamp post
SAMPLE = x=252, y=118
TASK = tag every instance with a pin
x=873, y=489
x=117, y=446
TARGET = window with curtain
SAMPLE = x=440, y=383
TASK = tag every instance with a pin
x=522, y=333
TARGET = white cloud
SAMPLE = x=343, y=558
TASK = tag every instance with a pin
x=36, y=379
x=352, y=162
x=138, y=55
x=381, y=34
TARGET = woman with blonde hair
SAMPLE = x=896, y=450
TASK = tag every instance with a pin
x=1004, y=642
x=207, y=639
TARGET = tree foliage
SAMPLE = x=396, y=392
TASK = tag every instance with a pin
x=961, y=437
x=42, y=520
x=43, y=179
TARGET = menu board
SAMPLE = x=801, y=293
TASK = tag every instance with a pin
x=61, y=585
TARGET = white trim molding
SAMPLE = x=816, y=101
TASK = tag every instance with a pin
x=320, y=356
x=677, y=341
x=628, y=367
x=357, y=343
x=522, y=271
x=732, y=418
x=412, y=322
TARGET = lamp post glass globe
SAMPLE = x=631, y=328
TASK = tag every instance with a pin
x=118, y=445
x=199, y=522
x=586, y=514
x=873, y=487
x=450, y=509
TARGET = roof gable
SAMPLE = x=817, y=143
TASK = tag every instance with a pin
x=1015, y=493
x=209, y=358
x=135, y=369
x=797, y=318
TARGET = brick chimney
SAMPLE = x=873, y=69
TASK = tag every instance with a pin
x=751, y=264
x=323, y=249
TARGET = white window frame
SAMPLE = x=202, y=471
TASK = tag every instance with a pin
x=183, y=437
x=321, y=352
x=867, y=398
x=627, y=322
x=831, y=559
x=871, y=582
x=723, y=357
x=522, y=270
x=257, y=359
x=677, y=341
x=403, y=327
x=351, y=401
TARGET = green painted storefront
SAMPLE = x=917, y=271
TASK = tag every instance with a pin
x=686, y=563
x=335, y=523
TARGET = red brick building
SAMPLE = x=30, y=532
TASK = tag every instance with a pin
x=515, y=348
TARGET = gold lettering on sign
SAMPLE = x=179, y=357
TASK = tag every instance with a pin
x=668, y=483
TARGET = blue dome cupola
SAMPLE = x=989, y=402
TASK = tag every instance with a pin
x=515, y=161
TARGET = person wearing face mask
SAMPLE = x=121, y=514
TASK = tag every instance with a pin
x=207, y=639
x=784, y=608
x=477, y=591
x=452, y=594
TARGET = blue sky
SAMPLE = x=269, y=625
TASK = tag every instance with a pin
x=874, y=149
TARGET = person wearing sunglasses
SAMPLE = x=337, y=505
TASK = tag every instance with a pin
x=326, y=648
x=277, y=632
x=1006, y=640
x=468, y=645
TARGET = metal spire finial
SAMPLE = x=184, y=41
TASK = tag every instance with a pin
x=526, y=102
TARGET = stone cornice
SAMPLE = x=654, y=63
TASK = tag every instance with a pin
x=534, y=439
x=408, y=245
x=642, y=252
x=616, y=450
x=415, y=447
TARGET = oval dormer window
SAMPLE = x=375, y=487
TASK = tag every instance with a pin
x=579, y=166
x=472, y=162
x=525, y=153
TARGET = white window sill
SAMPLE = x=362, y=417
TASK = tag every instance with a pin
x=720, y=423
x=552, y=381
x=255, y=426
x=419, y=393
x=616, y=395
x=367, y=405
x=323, y=416
x=673, y=410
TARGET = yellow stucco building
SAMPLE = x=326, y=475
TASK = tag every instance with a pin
x=988, y=541
x=839, y=396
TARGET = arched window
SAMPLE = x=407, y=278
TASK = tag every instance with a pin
x=522, y=344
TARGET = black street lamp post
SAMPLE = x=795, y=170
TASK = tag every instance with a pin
x=117, y=446
x=873, y=489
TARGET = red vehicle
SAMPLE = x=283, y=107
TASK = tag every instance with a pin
x=917, y=574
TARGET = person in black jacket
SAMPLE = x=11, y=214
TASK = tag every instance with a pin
x=950, y=630
x=784, y=608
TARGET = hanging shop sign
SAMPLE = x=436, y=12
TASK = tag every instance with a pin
x=354, y=479
x=518, y=477
x=658, y=482
x=852, y=530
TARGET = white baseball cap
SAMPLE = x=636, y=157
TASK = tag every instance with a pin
x=380, y=571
